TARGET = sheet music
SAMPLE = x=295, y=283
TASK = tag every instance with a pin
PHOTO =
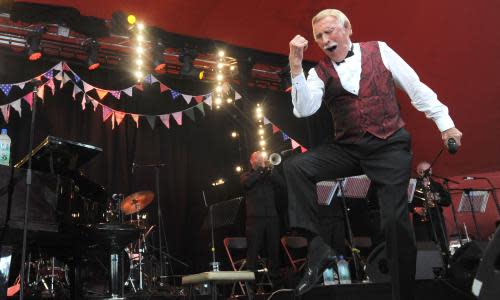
x=479, y=200
x=325, y=191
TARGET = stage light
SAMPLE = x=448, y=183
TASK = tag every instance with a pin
x=218, y=89
x=220, y=77
x=187, y=58
x=229, y=100
x=218, y=101
x=238, y=169
x=139, y=62
x=234, y=134
x=158, y=59
x=139, y=49
x=201, y=75
x=261, y=131
x=92, y=49
x=131, y=19
x=264, y=154
x=262, y=143
x=33, y=41
x=140, y=26
x=221, y=53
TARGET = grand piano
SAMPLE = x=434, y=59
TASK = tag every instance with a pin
x=63, y=203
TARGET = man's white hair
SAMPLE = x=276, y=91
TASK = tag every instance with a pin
x=337, y=14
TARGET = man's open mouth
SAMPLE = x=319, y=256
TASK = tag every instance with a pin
x=331, y=48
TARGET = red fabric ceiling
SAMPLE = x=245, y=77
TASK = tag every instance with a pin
x=452, y=44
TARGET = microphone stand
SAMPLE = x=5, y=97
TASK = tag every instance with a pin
x=215, y=264
x=35, y=83
x=454, y=213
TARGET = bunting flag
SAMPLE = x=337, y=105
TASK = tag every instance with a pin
x=16, y=105
x=275, y=129
x=151, y=121
x=128, y=91
x=237, y=96
x=198, y=99
x=163, y=88
x=6, y=88
x=116, y=94
x=5, y=112
x=165, y=119
x=101, y=93
x=106, y=113
x=303, y=149
x=119, y=116
x=266, y=121
x=294, y=144
x=190, y=114
x=285, y=137
x=136, y=119
x=177, y=117
x=29, y=98
x=187, y=98
x=200, y=107
x=65, y=74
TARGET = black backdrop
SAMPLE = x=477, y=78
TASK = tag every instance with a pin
x=196, y=153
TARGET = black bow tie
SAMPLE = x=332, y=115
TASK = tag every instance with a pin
x=349, y=54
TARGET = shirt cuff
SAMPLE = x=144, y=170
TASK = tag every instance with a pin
x=444, y=123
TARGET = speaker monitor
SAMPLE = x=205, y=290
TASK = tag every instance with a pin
x=429, y=263
x=486, y=284
x=464, y=264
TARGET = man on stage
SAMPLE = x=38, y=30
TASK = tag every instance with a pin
x=357, y=82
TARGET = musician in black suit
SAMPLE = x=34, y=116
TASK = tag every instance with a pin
x=262, y=222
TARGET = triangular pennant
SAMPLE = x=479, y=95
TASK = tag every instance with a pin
x=175, y=94
x=5, y=112
x=101, y=93
x=147, y=79
x=128, y=91
x=77, y=78
x=190, y=114
x=136, y=119
x=285, y=137
x=95, y=103
x=116, y=94
x=294, y=144
x=153, y=79
x=201, y=108
x=139, y=87
x=165, y=119
x=21, y=84
x=178, y=117
x=237, y=96
x=59, y=76
x=266, y=121
x=208, y=101
x=303, y=149
x=48, y=74
x=65, y=67
x=29, y=98
x=106, y=113
x=84, y=101
x=16, y=105
x=151, y=121
x=6, y=88
x=41, y=91
x=58, y=67
x=187, y=98
x=87, y=87
x=275, y=129
x=119, y=116
x=76, y=90
x=163, y=88
x=198, y=99
x=50, y=84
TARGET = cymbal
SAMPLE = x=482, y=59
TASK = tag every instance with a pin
x=136, y=202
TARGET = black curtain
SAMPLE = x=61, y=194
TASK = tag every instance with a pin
x=195, y=153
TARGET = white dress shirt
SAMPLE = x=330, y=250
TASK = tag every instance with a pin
x=308, y=94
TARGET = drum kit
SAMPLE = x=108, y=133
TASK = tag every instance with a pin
x=126, y=236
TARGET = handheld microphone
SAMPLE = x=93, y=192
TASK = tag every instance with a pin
x=452, y=146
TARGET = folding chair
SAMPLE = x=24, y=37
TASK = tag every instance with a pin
x=239, y=244
x=296, y=250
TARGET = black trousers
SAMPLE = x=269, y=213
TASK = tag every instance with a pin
x=262, y=231
x=387, y=164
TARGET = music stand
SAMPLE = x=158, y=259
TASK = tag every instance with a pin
x=474, y=201
x=220, y=214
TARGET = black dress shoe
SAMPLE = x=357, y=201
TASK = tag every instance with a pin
x=318, y=261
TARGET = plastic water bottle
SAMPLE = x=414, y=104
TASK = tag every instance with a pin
x=330, y=277
x=4, y=148
x=344, y=274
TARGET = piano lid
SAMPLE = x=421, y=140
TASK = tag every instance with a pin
x=59, y=156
